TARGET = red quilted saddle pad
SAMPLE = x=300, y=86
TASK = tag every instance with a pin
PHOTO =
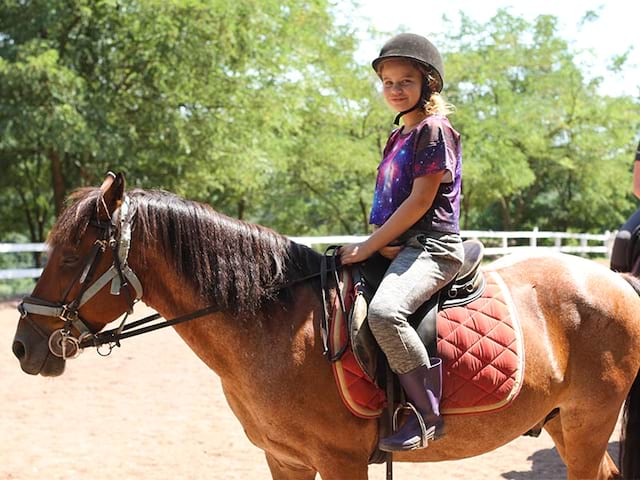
x=481, y=348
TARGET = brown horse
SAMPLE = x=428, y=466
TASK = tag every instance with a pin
x=580, y=325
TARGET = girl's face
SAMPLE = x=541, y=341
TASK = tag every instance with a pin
x=401, y=84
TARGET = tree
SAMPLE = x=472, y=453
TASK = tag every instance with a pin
x=542, y=146
x=259, y=108
x=203, y=97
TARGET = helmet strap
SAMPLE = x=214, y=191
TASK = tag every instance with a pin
x=396, y=121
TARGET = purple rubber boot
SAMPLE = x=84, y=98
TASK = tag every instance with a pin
x=423, y=387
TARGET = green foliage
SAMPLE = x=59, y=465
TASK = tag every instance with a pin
x=258, y=108
x=210, y=99
x=542, y=146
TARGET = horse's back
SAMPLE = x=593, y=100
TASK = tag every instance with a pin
x=579, y=319
x=569, y=276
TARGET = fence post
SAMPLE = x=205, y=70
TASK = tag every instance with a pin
x=608, y=241
x=533, y=240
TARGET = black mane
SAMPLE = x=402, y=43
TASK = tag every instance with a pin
x=235, y=265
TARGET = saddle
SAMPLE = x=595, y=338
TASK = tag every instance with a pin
x=479, y=339
x=468, y=285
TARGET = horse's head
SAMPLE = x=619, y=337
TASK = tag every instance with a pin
x=86, y=283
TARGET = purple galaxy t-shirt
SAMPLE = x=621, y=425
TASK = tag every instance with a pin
x=437, y=149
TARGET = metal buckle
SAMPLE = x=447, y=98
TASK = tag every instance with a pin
x=68, y=314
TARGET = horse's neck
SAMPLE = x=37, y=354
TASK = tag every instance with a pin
x=228, y=344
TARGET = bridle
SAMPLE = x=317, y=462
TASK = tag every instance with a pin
x=115, y=236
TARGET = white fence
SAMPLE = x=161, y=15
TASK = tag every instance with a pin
x=16, y=273
x=498, y=243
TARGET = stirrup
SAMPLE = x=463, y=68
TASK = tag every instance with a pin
x=426, y=433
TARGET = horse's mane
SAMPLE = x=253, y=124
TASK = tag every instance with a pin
x=238, y=266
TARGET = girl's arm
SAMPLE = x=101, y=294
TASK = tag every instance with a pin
x=408, y=213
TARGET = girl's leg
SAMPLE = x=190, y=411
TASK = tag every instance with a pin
x=418, y=272
x=422, y=268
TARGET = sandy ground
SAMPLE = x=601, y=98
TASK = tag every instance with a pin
x=153, y=411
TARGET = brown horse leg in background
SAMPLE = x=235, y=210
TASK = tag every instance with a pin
x=570, y=435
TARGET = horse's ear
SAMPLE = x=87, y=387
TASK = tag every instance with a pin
x=112, y=193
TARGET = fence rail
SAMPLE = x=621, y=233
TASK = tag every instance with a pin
x=498, y=243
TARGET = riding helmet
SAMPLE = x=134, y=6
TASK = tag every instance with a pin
x=417, y=48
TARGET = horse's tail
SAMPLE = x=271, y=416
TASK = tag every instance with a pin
x=628, y=458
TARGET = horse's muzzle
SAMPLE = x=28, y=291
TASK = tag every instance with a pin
x=31, y=348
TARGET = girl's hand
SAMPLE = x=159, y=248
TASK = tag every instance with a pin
x=390, y=252
x=354, y=253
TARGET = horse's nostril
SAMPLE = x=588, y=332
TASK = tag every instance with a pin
x=19, y=350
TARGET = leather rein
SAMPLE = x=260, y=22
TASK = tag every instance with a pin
x=116, y=236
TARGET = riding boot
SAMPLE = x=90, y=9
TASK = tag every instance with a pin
x=423, y=388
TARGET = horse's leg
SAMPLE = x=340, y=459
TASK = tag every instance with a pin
x=343, y=467
x=334, y=468
x=612, y=467
x=581, y=437
x=283, y=471
x=554, y=428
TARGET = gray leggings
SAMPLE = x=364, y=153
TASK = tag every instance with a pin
x=426, y=264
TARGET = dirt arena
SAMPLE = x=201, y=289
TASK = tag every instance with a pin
x=153, y=411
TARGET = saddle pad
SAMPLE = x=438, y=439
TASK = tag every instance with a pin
x=482, y=351
x=359, y=393
x=480, y=345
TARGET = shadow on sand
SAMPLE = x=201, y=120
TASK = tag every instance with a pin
x=547, y=465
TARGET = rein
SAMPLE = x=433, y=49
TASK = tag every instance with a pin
x=112, y=337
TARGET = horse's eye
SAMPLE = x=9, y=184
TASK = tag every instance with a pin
x=70, y=260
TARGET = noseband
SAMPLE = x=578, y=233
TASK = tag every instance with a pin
x=116, y=235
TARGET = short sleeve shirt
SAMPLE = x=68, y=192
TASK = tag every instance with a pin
x=638, y=153
x=432, y=147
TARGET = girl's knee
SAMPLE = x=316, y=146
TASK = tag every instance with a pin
x=379, y=316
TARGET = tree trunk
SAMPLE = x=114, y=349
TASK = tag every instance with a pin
x=365, y=216
x=242, y=205
x=57, y=181
x=506, y=215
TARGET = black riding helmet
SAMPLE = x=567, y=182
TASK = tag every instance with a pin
x=414, y=47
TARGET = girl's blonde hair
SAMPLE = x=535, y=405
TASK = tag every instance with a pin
x=435, y=105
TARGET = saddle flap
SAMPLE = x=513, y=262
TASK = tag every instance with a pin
x=364, y=345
